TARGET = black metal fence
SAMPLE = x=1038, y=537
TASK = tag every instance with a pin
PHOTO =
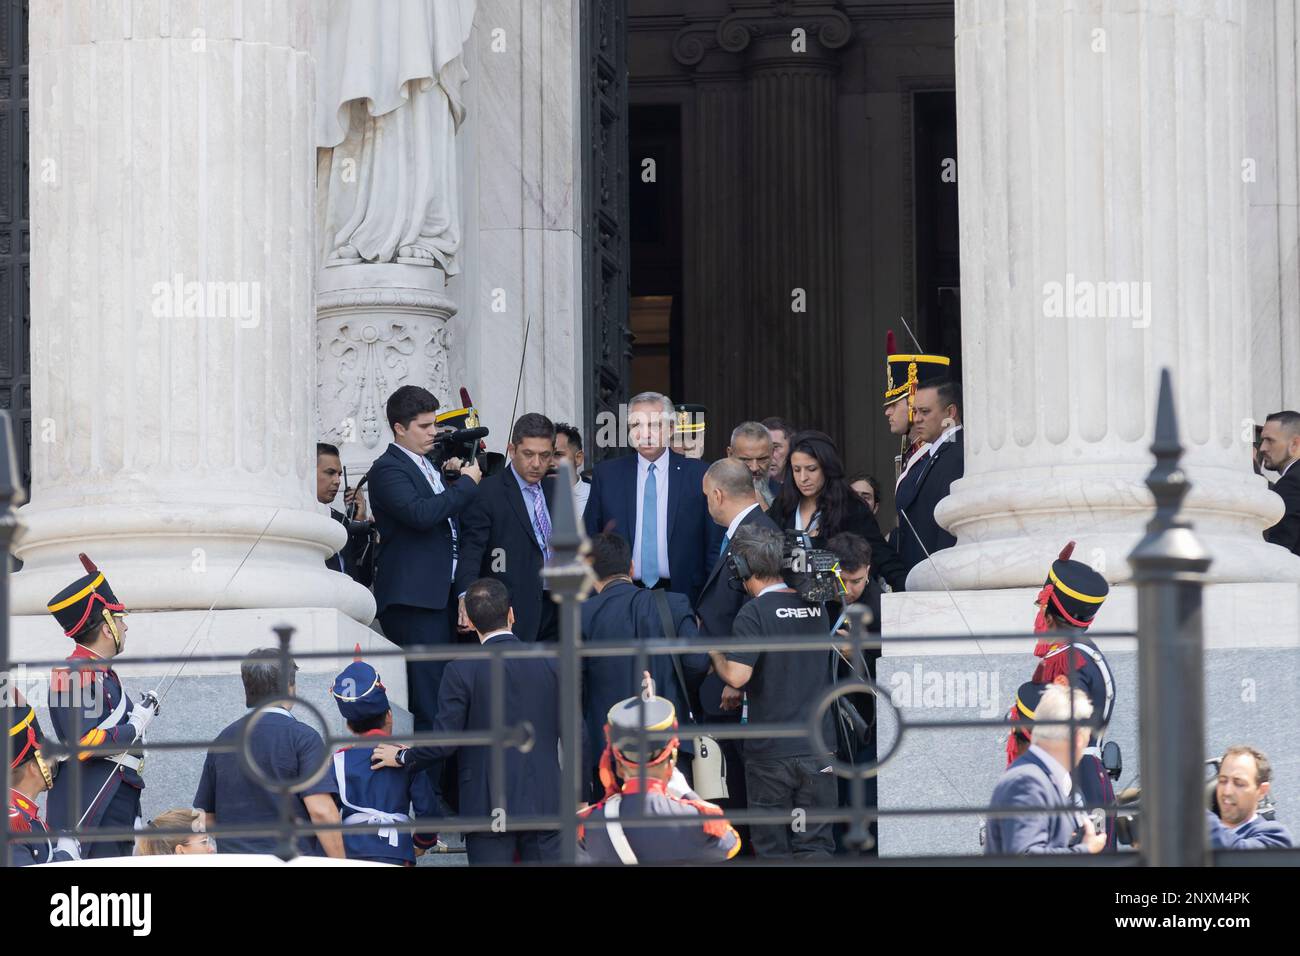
x=1168, y=567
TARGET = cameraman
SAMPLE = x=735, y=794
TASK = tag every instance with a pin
x=1245, y=776
x=416, y=510
x=781, y=773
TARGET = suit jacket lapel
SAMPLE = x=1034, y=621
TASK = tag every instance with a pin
x=520, y=506
x=911, y=485
x=675, y=481
x=403, y=459
x=926, y=465
x=629, y=502
x=749, y=519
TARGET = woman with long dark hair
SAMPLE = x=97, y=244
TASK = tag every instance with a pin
x=815, y=498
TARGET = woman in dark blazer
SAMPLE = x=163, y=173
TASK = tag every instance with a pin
x=815, y=497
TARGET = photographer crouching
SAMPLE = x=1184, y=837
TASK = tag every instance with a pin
x=1241, y=787
x=784, y=773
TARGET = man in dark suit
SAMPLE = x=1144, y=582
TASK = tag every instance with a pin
x=532, y=694
x=655, y=499
x=1040, y=779
x=619, y=611
x=1279, y=447
x=415, y=512
x=733, y=504
x=928, y=481
x=506, y=532
x=353, y=560
x=751, y=445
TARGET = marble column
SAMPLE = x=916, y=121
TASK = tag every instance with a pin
x=715, y=270
x=793, y=259
x=1271, y=167
x=1103, y=236
x=173, y=310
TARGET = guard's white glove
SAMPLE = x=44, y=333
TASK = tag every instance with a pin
x=678, y=787
x=69, y=846
x=143, y=713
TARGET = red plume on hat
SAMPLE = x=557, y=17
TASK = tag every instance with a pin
x=1067, y=551
x=890, y=347
x=88, y=564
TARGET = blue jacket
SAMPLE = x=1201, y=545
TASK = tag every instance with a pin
x=693, y=538
x=387, y=791
x=25, y=817
x=623, y=612
x=100, y=700
x=532, y=694
x=497, y=541
x=413, y=563
x=1256, y=834
x=1028, y=783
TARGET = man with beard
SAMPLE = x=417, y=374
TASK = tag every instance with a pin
x=751, y=445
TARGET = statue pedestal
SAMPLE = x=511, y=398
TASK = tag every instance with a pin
x=378, y=326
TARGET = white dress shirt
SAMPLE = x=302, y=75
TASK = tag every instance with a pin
x=735, y=522
x=1060, y=776
x=661, y=512
x=581, y=491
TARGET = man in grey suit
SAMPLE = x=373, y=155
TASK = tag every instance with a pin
x=1040, y=778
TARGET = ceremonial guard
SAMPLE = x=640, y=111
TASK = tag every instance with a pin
x=904, y=374
x=30, y=776
x=384, y=795
x=664, y=794
x=1069, y=601
x=688, y=436
x=89, y=705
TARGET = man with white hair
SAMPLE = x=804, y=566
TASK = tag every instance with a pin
x=655, y=500
x=1041, y=779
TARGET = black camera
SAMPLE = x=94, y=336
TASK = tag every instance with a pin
x=813, y=572
x=462, y=443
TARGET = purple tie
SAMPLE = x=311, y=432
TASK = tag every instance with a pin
x=543, y=521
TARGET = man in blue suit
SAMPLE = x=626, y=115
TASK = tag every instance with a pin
x=1040, y=779
x=928, y=481
x=416, y=510
x=532, y=694
x=506, y=533
x=1245, y=776
x=621, y=611
x=655, y=499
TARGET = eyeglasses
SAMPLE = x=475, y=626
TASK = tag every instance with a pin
x=754, y=461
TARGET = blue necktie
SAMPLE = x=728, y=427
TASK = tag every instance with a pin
x=726, y=540
x=650, y=531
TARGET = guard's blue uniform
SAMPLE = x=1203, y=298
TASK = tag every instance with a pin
x=25, y=817
x=94, y=707
x=711, y=839
x=375, y=800
x=380, y=797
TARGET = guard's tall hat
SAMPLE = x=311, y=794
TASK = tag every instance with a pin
x=25, y=738
x=906, y=372
x=85, y=598
x=1073, y=590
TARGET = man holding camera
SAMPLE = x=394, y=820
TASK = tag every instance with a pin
x=1244, y=779
x=506, y=532
x=416, y=510
x=784, y=774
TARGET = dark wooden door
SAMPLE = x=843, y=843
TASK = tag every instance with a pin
x=15, y=298
x=607, y=341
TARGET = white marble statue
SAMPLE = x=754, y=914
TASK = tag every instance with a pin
x=388, y=104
